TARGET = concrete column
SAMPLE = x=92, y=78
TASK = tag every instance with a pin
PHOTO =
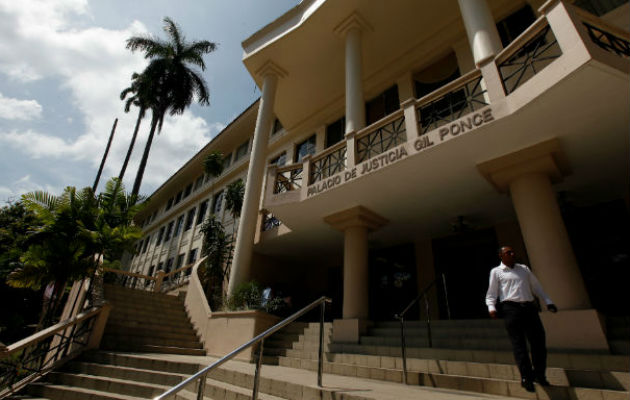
x=355, y=108
x=527, y=175
x=241, y=265
x=355, y=273
x=355, y=223
x=481, y=29
x=547, y=241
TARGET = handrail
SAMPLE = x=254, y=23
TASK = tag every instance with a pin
x=289, y=167
x=586, y=16
x=185, y=267
x=43, y=334
x=260, y=338
x=401, y=317
x=131, y=274
x=449, y=87
x=521, y=40
x=380, y=123
x=328, y=151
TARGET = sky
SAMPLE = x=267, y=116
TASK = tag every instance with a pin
x=63, y=64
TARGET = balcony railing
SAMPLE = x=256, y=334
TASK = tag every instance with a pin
x=381, y=136
x=288, y=178
x=451, y=102
x=527, y=55
x=329, y=162
x=608, y=41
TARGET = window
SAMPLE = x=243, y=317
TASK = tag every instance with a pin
x=227, y=160
x=178, y=225
x=202, y=212
x=241, y=151
x=216, y=202
x=160, y=266
x=169, y=231
x=514, y=24
x=192, y=256
x=277, y=127
x=188, y=190
x=190, y=218
x=178, y=197
x=599, y=7
x=335, y=131
x=304, y=148
x=279, y=160
x=169, y=264
x=146, y=244
x=199, y=182
x=169, y=204
x=382, y=105
x=180, y=261
x=160, y=236
x=153, y=216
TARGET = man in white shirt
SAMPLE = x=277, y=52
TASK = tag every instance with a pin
x=515, y=286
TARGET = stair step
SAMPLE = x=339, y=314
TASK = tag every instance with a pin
x=140, y=362
x=120, y=372
x=107, y=384
x=64, y=392
x=148, y=348
x=218, y=390
x=162, y=334
x=132, y=340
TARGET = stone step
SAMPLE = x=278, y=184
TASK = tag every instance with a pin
x=157, y=309
x=132, y=317
x=561, y=360
x=120, y=372
x=138, y=326
x=148, y=348
x=437, y=331
x=107, y=384
x=64, y=392
x=452, y=380
x=444, y=323
x=116, y=294
x=163, y=333
x=462, y=342
x=128, y=339
x=140, y=362
x=218, y=390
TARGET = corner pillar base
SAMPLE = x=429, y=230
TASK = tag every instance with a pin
x=575, y=330
x=349, y=330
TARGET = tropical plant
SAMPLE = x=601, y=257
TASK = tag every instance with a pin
x=215, y=246
x=172, y=82
x=213, y=163
x=234, y=198
x=139, y=93
x=74, y=231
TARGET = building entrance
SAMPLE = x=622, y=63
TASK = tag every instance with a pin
x=393, y=282
x=465, y=260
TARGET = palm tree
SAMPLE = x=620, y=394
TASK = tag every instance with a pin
x=139, y=96
x=170, y=79
x=234, y=203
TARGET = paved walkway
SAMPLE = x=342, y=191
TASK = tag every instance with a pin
x=366, y=388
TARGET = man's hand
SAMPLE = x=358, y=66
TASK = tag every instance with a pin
x=493, y=314
x=552, y=308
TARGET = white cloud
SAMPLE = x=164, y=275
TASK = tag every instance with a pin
x=24, y=185
x=19, y=109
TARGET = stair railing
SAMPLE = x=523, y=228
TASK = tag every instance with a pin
x=31, y=358
x=201, y=375
x=401, y=317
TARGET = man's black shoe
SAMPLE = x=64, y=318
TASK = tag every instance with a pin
x=542, y=381
x=528, y=385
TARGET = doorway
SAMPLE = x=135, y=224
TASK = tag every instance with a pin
x=465, y=259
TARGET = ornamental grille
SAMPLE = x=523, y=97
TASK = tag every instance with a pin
x=287, y=181
x=608, y=41
x=328, y=165
x=382, y=139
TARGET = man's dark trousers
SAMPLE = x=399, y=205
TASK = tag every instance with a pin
x=522, y=322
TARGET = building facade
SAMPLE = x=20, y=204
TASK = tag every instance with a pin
x=417, y=137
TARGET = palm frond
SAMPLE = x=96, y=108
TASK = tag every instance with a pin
x=38, y=200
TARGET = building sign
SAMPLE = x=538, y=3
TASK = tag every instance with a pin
x=444, y=133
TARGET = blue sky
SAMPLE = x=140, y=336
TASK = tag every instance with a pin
x=63, y=64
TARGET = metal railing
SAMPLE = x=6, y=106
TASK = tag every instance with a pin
x=528, y=54
x=130, y=280
x=329, y=162
x=381, y=136
x=29, y=359
x=201, y=375
x=401, y=317
x=288, y=179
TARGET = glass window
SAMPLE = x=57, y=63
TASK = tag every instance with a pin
x=192, y=256
x=599, y=7
x=180, y=261
x=178, y=197
x=146, y=244
x=150, y=272
x=199, y=182
x=188, y=190
x=216, y=202
x=169, y=264
x=169, y=231
x=382, y=105
x=227, y=161
x=241, y=151
x=277, y=127
x=160, y=266
x=190, y=218
x=160, y=236
x=178, y=225
x=279, y=160
x=202, y=212
x=169, y=204
x=335, y=131
x=514, y=24
x=304, y=148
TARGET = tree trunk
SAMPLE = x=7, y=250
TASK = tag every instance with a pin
x=133, y=142
x=145, y=157
x=100, y=169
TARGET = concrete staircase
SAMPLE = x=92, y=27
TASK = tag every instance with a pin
x=148, y=322
x=472, y=355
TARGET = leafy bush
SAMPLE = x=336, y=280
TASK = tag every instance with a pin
x=249, y=296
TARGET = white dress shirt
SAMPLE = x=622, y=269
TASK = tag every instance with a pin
x=513, y=284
